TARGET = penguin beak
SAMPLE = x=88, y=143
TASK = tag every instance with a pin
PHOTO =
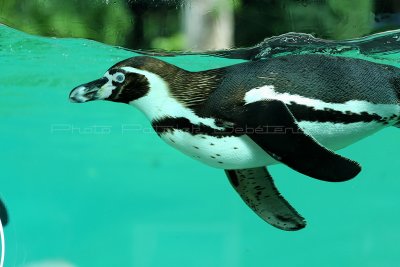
x=89, y=91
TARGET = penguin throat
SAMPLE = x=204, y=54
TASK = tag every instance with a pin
x=166, y=99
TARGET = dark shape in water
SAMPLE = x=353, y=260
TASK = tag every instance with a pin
x=3, y=213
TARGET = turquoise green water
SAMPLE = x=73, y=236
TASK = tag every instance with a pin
x=83, y=185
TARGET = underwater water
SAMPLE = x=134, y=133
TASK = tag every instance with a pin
x=92, y=185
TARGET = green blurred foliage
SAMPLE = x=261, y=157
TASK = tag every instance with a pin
x=256, y=20
x=107, y=21
x=95, y=19
x=330, y=19
x=141, y=24
x=355, y=18
x=172, y=43
x=161, y=28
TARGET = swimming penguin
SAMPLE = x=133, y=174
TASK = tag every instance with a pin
x=294, y=109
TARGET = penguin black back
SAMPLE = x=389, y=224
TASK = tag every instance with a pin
x=331, y=79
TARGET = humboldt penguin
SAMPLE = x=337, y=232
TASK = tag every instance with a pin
x=295, y=110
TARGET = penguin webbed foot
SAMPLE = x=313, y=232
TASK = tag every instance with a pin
x=258, y=191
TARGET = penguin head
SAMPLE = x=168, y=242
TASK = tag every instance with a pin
x=124, y=82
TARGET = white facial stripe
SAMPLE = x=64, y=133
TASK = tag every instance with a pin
x=106, y=90
x=158, y=103
x=108, y=76
x=356, y=106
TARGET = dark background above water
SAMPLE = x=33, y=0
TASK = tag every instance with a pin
x=198, y=24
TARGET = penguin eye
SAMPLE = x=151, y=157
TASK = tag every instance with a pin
x=119, y=77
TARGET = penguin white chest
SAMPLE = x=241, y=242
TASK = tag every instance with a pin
x=232, y=152
x=229, y=152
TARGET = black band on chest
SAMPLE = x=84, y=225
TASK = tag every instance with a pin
x=169, y=124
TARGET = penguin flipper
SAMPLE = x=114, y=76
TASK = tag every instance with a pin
x=3, y=213
x=258, y=191
x=271, y=125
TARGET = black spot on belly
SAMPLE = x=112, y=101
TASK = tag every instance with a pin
x=196, y=147
x=218, y=155
x=213, y=157
x=235, y=148
x=211, y=144
x=220, y=162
